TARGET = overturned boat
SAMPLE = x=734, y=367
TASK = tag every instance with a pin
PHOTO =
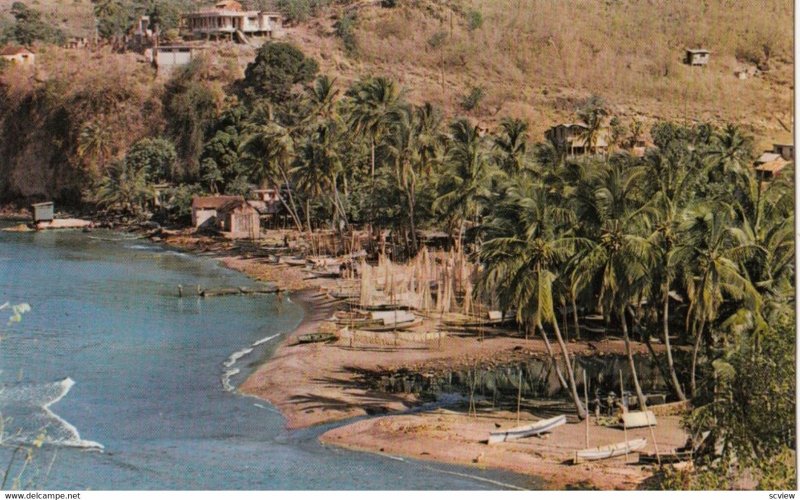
x=534, y=429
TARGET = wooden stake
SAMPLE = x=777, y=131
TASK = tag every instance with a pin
x=519, y=394
x=624, y=426
x=586, y=397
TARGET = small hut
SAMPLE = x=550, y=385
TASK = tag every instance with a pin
x=238, y=219
x=204, y=208
x=42, y=212
x=697, y=57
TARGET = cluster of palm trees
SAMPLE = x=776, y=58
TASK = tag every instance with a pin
x=686, y=236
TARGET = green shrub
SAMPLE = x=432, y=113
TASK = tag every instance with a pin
x=471, y=100
x=474, y=20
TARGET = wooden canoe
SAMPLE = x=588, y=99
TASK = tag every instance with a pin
x=309, y=338
x=389, y=327
x=527, y=430
x=611, y=450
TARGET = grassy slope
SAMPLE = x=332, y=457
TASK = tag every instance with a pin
x=538, y=58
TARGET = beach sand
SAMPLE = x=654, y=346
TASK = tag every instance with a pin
x=319, y=383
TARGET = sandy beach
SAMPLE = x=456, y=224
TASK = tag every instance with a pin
x=320, y=383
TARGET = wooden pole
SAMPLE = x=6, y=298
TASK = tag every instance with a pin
x=624, y=426
x=586, y=397
x=519, y=394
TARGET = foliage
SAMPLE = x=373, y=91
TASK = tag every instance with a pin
x=298, y=11
x=124, y=188
x=474, y=20
x=472, y=99
x=155, y=156
x=277, y=68
x=28, y=27
x=345, y=29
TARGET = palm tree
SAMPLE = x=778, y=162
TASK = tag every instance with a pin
x=592, y=116
x=672, y=181
x=469, y=175
x=618, y=257
x=95, y=146
x=714, y=249
x=374, y=106
x=511, y=146
x=269, y=149
x=125, y=188
x=525, y=249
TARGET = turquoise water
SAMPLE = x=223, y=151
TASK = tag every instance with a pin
x=140, y=382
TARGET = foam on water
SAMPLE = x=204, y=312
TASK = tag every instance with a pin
x=233, y=358
x=27, y=406
x=264, y=340
x=226, y=379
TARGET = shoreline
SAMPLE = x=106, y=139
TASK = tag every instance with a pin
x=313, y=384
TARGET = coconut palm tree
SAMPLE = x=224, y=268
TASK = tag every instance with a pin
x=469, y=174
x=524, y=250
x=714, y=248
x=618, y=258
x=374, y=104
x=511, y=147
x=95, y=146
x=269, y=149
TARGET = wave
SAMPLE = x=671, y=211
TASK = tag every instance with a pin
x=26, y=407
x=265, y=340
x=142, y=247
x=233, y=358
x=226, y=379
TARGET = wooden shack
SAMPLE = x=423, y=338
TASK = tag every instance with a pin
x=572, y=137
x=42, y=212
x=697, y=57
x=238, y=219
x=204, y=208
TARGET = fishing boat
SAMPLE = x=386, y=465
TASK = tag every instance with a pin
x=293, y=261
x=491, y=318
x=381, y=321
x=309, y=338
x=388, y=327
x=611, y=450
x=635, y=419
x=527, y=430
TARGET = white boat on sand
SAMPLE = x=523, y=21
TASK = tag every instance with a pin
x=527, y=430
x=611, y=450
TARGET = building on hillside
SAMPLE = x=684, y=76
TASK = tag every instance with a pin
x=228, y=20
x=238, y=219
x=168, y=57
x=770, y=163
x=785, y=150
x=572, y=137
x=18, y=55
x=697, y=57
x=204, y=209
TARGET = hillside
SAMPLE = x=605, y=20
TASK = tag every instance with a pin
x=538, y=59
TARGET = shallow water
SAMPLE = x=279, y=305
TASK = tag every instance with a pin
x=110, y=357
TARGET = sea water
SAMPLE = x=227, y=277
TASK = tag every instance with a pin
x=124, y=385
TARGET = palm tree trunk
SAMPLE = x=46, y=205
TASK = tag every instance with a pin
x=293, y=208
x=631, y=363
x=552, y=355
x=575, y=322
x=670, y=364
x=698, y=337
x=411, y=221
x=570, y=373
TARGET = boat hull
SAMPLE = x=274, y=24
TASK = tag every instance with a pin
x=527, y=430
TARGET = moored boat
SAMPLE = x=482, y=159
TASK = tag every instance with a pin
x=527, y=430
x=309, y=338
x=611, y=450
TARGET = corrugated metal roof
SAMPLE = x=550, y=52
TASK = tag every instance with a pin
x=213, y=202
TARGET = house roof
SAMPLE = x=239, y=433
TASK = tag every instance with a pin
x=228, y=5
x=698, y=51
x=774, y=166
x=234, y=204
x=768, y=157
x=213, y=202
x=14, y=51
